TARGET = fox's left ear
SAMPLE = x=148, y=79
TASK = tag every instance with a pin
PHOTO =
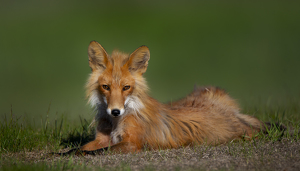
x=138, y=60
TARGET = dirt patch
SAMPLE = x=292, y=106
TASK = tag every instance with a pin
x=255, y=155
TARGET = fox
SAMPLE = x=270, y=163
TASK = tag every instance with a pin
x=128, y=120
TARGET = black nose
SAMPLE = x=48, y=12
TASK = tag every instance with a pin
x=115, y=112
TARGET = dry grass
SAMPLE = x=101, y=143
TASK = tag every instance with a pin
x=253, y=155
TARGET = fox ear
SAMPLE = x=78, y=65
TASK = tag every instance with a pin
x=97, y=56
x=138, y=60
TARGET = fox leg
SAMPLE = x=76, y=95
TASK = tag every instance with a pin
x=100, y=141
x=102, y=138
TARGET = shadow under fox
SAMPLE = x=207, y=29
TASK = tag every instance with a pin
x=128, y=119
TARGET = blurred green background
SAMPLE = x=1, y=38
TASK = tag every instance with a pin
x=251, y=49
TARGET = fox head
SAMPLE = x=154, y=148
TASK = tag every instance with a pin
x=116, y=83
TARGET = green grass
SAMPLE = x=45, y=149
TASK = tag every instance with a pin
x=16, y=137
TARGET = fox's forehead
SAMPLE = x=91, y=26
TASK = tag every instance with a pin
x=120, y=77
x=116, y=72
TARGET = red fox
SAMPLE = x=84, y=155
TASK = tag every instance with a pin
x=129, y=120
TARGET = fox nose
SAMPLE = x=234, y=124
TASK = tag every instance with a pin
x=115, y=112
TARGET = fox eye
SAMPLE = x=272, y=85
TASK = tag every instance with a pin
x=126, y=88
x=105, y=87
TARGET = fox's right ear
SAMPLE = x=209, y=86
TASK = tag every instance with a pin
x=97, y=56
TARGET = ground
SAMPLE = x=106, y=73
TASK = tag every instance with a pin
x=243, y=155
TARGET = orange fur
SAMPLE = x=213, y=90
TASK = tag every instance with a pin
x=129, y=120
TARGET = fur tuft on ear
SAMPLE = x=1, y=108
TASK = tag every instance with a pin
x=97, y=56
x=138, y=60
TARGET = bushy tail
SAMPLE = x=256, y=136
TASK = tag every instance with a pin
x=259, y=125
x=252, y=122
